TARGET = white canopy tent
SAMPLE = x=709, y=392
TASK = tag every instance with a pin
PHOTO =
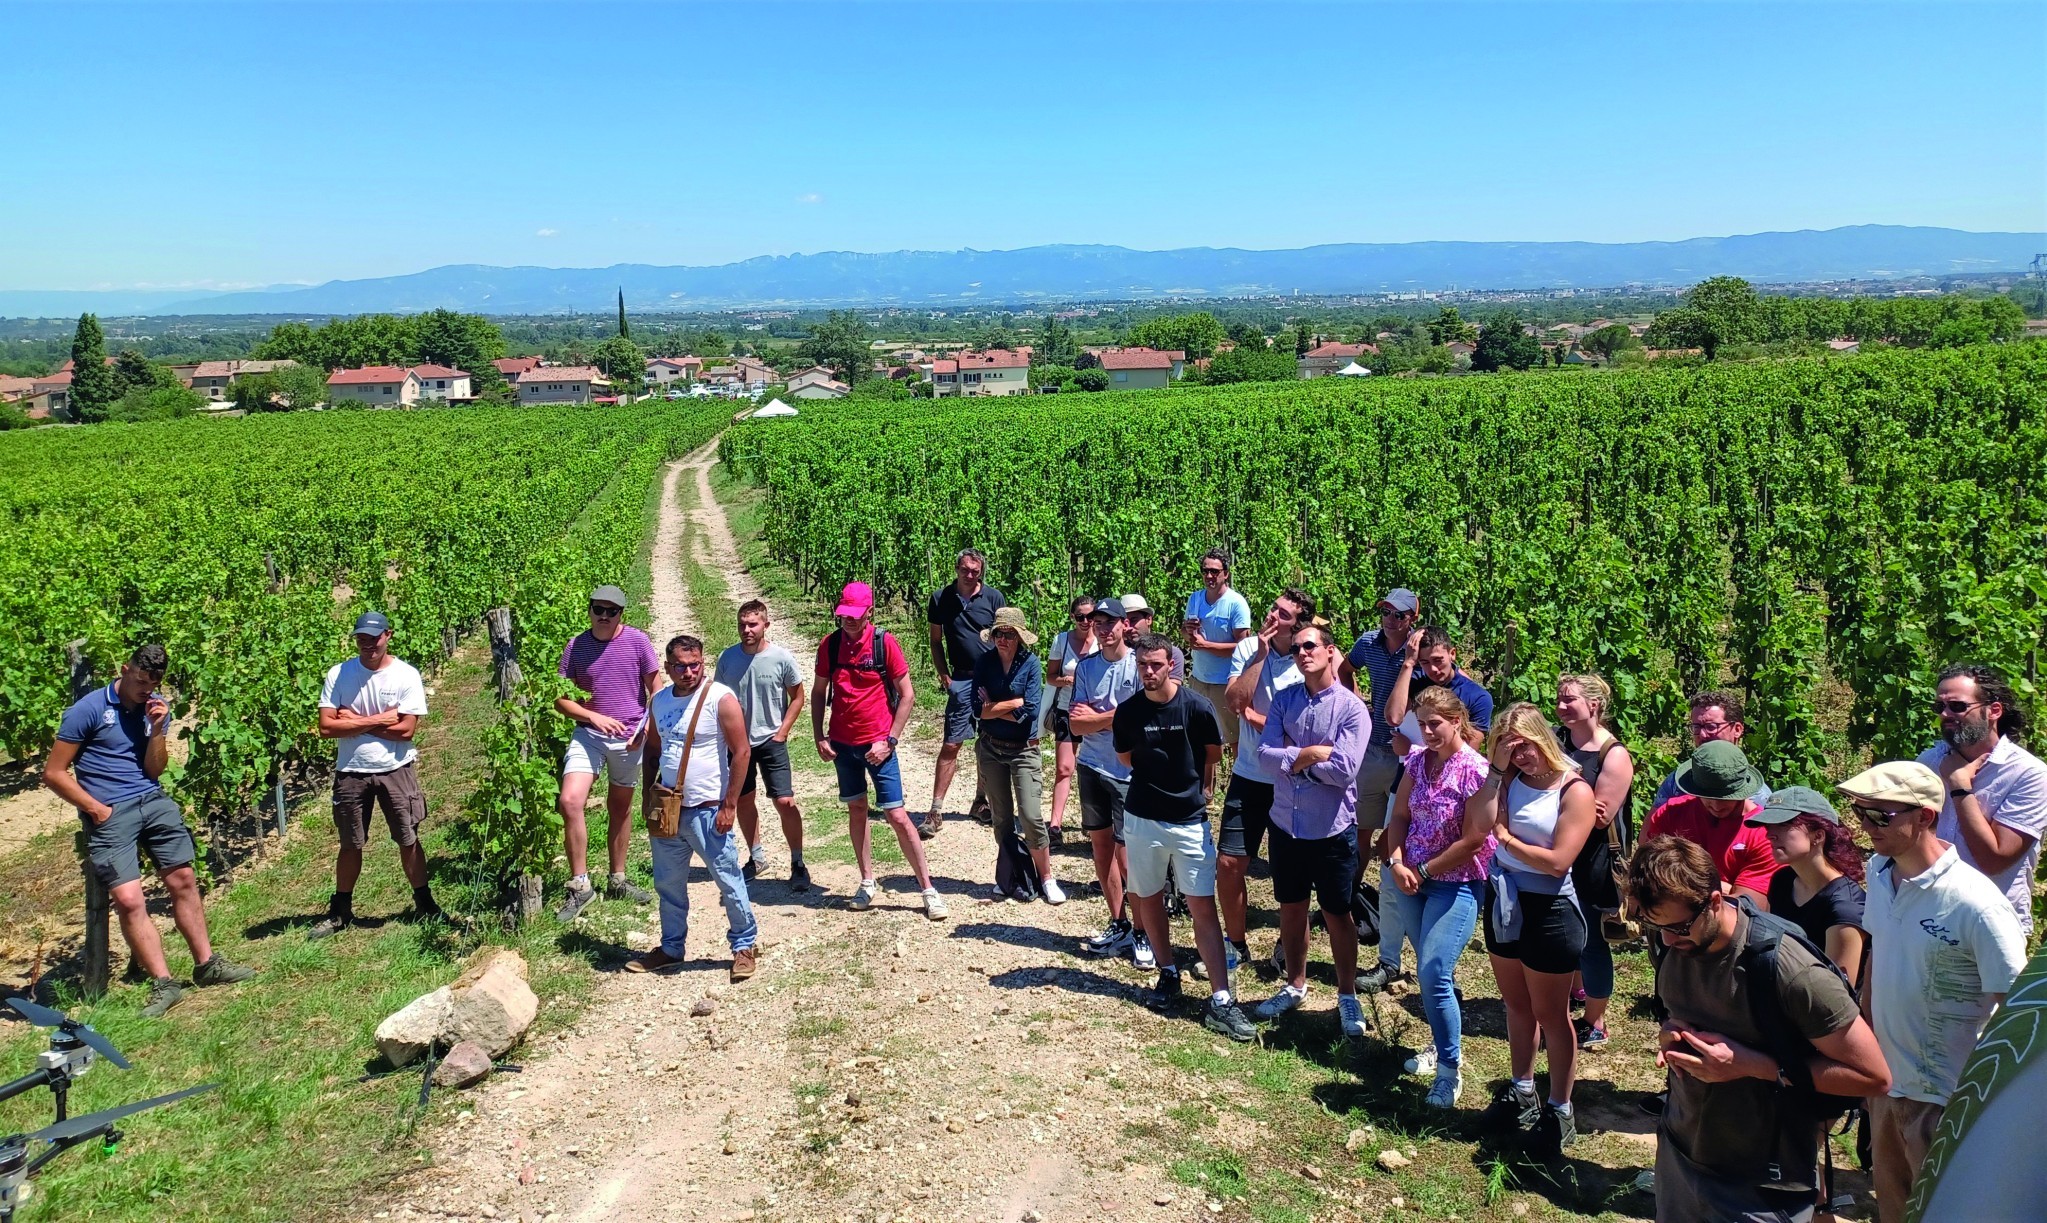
x=1353, y=370
x=776, y=407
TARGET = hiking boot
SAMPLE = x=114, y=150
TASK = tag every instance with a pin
x=1350, y=1015
x=1165, y=992
x=1421, y=1064
x=221, y=971
x=863, y=896
x=1591, y=1035
x=1279, y=1004
x=933, y=824
x=574, y=903
x=934, y=905
x=616, y=888
x=655, y=960
x=426, y=908
x=1115, y=939
x=1552, y=1133
x=1448, y=1086
x=1513, y=1108
x=1227, y=1019
x=1141, y=953
x=164, y=993
x=1376, y=981
x=799, y=877
x=744, y=962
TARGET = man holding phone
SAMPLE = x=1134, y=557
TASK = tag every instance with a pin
x=111, y=747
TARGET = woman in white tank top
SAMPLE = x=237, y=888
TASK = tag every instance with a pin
x=1534, y=931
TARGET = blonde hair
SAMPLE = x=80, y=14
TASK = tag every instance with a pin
x=1439, y=701
x=1526, y=721
x=1596, y=691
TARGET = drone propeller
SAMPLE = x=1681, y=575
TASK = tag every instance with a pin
x=79, y=1127
x=44, y=1017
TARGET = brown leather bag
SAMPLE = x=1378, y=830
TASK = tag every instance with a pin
x=664, y=818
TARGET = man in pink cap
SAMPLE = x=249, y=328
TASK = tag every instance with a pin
x=864, y=679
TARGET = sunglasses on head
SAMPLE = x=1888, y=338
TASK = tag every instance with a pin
x=605, y=610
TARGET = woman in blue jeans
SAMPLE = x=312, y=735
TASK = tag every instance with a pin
x=1438, y=846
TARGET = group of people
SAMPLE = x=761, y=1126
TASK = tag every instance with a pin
x=1794, y=978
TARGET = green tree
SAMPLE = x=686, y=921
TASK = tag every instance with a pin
x=710, y=344
x=1607, y=341
x=133, y=371
x=1717, y=313
x=93, y=386
x=992, y=335
x=1251, y=363
x=1092, y=379
x=623, y=363
x=1196, y=334
x=623, y=331
x=1449, y=327
x=839, y=344
x=156, y=401
x=287, y=389
x=1246, y=334
x=1505, y=344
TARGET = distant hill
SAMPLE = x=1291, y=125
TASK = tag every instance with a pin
x=1065, y=273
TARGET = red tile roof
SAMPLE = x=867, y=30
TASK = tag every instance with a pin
x=1140, y=358
x=215, y=369
x=994, y=358
x=367, y=375
x=438, y=371
x=563, y=373
x=512, y=367
x=1338, y=351
x=677, y=362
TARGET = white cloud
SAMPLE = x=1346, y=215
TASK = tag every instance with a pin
x=545, y=233
x=810, y=197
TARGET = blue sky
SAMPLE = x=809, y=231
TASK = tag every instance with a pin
x=241, y=145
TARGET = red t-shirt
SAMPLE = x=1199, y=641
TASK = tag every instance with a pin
x=1742, y=852
x=860, y=713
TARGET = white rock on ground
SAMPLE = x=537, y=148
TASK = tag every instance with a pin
x=491, y=1004
x=404, y=1037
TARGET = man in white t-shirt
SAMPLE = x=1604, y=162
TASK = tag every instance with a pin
x=1101, y=682
x=1944, y=950
x=696, y=748
x=1261, y=666
x=1217, y=619
x=769, y=684
x=372, y=705
x=1996, y=805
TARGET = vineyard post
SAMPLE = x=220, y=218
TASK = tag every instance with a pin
x=282, y=810
x=504, y=657
x=98, y=905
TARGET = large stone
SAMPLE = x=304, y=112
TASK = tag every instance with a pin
x=406, y=1035
x=466, y=1063
x=491, y=1004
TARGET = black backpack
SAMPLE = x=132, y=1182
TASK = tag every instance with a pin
x=1016, y=876
x=876, y=662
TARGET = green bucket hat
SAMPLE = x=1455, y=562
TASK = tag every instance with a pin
x=1718, y=770
x=1789, y=803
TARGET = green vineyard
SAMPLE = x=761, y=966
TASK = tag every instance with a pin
x=246, y=546
x=1824, y=535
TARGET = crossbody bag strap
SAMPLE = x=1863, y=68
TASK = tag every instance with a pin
x=689, y=741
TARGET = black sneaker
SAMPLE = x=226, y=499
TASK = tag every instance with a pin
x=164, y=994
x=751, y=871
x=799, y=877
x=1165, y=992
x=616, y=888
x=1591, y=1035
x=1377, y=979
x=574, y=903
x=1511, y=1109
x=1553, y=1131
x=220, y=971
x=1227, y=1019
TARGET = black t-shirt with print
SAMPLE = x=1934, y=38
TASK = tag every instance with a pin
x=963, y=619
x=1167, y=742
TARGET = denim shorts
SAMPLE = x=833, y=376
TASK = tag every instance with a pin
x=960, y=723
x=854, y=771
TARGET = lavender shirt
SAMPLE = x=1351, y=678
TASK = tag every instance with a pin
x=614, y=673
x=1322, y=800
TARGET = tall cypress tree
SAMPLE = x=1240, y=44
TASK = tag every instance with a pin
x=93, y=388
x=622, y=331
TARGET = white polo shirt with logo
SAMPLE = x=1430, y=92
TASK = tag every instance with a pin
x=1940, y=943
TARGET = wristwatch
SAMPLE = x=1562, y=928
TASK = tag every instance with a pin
x=1424, y=873
x=1959, y=792
x=891, y=742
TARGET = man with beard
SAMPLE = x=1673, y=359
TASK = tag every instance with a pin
x=1996, y=790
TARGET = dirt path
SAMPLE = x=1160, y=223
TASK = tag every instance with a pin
x=880, y=1066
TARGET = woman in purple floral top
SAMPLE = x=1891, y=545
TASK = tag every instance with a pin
x=1438, y=847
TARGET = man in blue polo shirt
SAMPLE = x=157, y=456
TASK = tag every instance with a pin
x=111, y=747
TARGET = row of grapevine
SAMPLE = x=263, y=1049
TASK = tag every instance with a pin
x=246, y=546
x=1779, y=527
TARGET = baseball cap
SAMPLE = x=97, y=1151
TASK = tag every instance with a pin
x=857, y=599
x=1133, y=604
x=608, y=594
x=1898, y=781
x=1111, y=607
x=1401, y=599
x=371, y=624
x=1789, y=803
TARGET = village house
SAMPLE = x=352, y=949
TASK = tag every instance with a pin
x=1132, y=369
x=1325, y=359
x=999, y=371
x=815, y=383
x=438, y=382
x=512, y=367
x=563, y=384
x=216, y=379
x=383, y=386
x=663, y=372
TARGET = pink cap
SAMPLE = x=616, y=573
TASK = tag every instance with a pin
x=857, y=599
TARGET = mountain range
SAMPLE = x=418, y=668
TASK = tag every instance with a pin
x=1114, y=273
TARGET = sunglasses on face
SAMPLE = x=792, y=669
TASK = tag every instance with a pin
x=604, y=610
x=1681, y=929
x=1956, y=707
x=1211, y=573
x=1875, y=817
x=1305, y=647
x=1006, y=634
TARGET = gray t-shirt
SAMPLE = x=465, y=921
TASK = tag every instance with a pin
x=761, y=682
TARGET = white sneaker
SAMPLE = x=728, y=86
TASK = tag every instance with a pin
x=1351, y=1012
x=1279, y=1004
x=1141, y=954
x=1422, y=1064
x=934, y=905
x=1054, y=894
x=863, y=896
x=1448, y=1086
